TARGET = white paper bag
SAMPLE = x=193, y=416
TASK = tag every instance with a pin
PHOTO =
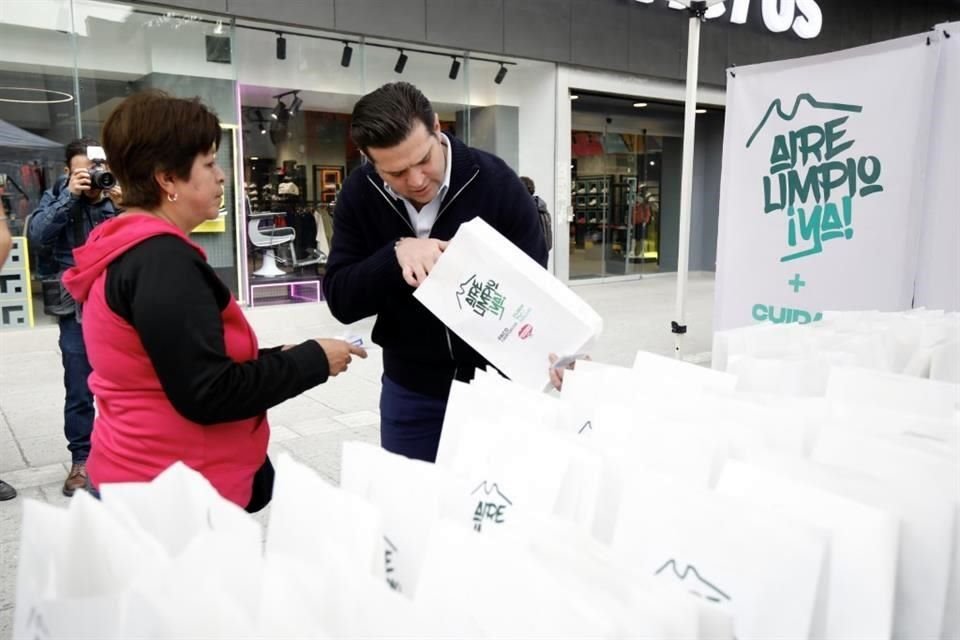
x=505, y=305
x=765, y=569
x=859, y=599
x=320, y=524
x=76, y=565
x=407, y=493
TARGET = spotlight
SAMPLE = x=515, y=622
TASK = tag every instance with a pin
x=280, y=111
x=346, y=56
x=263, y=129
x=295, y=104
x=454, y=69
x=401, y=62
x=281, y=47
x=501, y=74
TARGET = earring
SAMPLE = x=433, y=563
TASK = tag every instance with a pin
x=173, y=199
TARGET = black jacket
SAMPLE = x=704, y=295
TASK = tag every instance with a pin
x=363, y=277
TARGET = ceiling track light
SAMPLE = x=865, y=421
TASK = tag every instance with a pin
x=280, y=111
x=281, y=47
x=347, y=55
x=260, y=121
x=454, y=68
x=295, y=104
x=401, y=62
x=501, y=74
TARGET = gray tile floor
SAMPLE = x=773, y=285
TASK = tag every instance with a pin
x=312, y=427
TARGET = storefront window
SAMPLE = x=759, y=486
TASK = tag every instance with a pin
x=617, y=183
x=297, y=91
x=132, y=48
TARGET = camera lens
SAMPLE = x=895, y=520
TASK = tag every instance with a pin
x=101, y=179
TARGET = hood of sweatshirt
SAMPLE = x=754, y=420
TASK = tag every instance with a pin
x=109, y=241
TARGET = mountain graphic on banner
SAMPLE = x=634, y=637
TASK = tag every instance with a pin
x=803, y=97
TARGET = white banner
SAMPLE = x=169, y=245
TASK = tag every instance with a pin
x=822, y=187
x=938, y=281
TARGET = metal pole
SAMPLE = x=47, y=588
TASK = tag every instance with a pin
x=678, y=326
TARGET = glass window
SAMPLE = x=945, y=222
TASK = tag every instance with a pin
x=622, y=160
x=122, y=49
x=296, y=91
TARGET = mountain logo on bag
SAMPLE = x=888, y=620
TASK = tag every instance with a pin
x=481, y=296
x=491, y=505
x=694, y=582
x=390, y=550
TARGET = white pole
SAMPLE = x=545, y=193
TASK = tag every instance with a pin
x=686, y=179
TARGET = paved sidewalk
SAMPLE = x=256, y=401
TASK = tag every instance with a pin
x=34, y=457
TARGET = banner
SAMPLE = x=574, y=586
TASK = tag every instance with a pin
x=821, y=195
x=938, y=280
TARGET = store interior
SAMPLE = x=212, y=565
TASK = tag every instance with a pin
x=622, y=161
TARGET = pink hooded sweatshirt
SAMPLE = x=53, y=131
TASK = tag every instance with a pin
x=137, y=432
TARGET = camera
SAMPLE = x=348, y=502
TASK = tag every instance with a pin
x=100, y=176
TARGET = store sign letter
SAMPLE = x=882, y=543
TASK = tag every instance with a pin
x=804, y=16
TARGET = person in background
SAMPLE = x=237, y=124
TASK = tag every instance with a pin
x=546, y=222
x=7, y=492
x=177, y=371
x=66, y=215
x=392, y=221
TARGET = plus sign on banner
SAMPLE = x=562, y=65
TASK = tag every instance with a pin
x=822, y=191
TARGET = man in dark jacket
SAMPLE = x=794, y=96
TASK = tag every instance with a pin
x=392, y=221
x=63, y=220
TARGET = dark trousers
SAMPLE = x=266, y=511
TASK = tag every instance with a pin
x=410, y=422
x=78, y=405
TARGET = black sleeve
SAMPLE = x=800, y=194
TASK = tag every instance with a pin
x=173, y=299
x=358, y=284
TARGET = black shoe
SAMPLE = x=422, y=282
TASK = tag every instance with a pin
x=7, y=492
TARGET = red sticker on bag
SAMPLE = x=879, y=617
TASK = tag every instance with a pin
x=525, y=331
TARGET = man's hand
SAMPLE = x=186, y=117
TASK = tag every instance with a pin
x=339, y=354
x=116, y=195
x=556, y=375
x=79, y=182
x=417, y=256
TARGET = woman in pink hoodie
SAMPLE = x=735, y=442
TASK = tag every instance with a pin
x=177, y=371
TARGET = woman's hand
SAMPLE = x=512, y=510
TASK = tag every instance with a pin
x=339, y=353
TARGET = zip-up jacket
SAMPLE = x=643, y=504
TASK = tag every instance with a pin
x=363, y=276
x=65, y=220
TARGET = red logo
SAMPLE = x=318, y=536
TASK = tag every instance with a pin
x=525, y=331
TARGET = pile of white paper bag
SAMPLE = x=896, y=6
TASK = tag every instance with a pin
x=663, y=500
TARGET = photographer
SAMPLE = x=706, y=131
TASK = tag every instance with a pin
x=79, y=201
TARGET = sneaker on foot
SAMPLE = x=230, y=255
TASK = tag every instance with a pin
x=7, y=492
x=77, y=479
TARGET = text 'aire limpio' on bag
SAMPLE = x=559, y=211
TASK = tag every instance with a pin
x=506, y=306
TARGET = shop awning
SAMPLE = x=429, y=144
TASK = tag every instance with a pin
x=13, y=137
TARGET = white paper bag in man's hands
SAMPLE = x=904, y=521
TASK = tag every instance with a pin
x=505, y=305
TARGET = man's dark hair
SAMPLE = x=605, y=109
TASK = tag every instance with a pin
x=528, y=183
x=78, y=147
x=385, y=117
x=152, y=131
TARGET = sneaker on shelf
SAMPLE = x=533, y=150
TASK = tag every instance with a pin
x=581, y=191
x=592, y=203
x=76, y=479
x=593, y=189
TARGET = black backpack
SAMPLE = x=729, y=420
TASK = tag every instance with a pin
x=545, y=221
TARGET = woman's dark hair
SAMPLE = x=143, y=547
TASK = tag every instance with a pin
x=152, y=131
x=385, y=117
